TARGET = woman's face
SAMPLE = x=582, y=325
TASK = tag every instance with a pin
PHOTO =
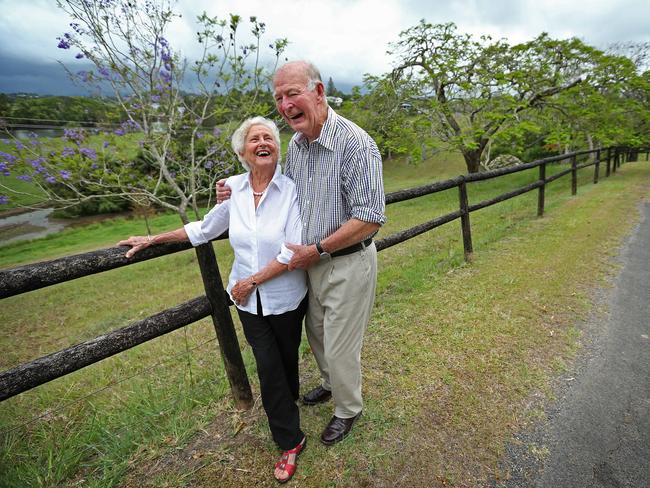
x=260, y=148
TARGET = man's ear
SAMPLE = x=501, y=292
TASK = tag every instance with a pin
x=320, y=89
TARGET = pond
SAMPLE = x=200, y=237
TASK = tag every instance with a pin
x=29, y=225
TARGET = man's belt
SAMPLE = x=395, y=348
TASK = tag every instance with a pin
x=353, y=248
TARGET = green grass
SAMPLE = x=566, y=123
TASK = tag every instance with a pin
x=452, y=351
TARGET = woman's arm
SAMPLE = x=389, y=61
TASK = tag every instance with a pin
x=138, y=243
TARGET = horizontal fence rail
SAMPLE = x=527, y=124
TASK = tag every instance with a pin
x=31, y=277
x=61, y=363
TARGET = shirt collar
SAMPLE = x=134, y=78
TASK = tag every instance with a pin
x=326, y=137
x=245, y=182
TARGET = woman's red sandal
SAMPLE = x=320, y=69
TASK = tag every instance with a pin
x=284, y=464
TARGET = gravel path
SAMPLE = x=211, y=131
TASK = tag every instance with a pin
x=597, y=433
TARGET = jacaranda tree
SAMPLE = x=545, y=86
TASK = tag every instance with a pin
x=177, y=113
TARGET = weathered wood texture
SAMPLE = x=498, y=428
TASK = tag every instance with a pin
x=15, y=281
x=47, y=368
x=407, y=234
x=224, y=327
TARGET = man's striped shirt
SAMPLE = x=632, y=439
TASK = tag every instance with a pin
x=338, y=177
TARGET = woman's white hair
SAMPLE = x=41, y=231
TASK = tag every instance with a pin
x=238, y=140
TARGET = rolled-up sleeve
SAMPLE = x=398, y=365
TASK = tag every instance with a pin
x=364, y=187
x=292, y=230
x=213, y=225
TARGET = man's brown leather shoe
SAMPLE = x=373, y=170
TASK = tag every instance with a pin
x=337, y=429
x=316, y=396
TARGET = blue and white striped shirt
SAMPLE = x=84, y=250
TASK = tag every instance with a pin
x=338, y=177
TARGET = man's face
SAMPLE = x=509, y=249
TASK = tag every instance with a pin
x=300, y=107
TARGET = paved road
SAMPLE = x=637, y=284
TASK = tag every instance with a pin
x=598, y=432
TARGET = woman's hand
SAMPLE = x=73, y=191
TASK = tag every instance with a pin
x=242, y=290
x=137, y=243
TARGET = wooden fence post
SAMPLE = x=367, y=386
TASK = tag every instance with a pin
x=224, y=327
x=464, y=220
x=574, y=175
x=542, y=189
x=616, y=158
x=608, y=169
x=596, y=166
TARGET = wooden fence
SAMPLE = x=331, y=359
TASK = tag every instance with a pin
x=214, y=303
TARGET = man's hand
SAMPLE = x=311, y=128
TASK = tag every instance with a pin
x=303, y=256
x=223, y=191
x=137, y=243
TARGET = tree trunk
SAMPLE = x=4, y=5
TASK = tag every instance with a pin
x=472, y=160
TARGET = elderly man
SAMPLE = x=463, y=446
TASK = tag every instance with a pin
x=337, y=169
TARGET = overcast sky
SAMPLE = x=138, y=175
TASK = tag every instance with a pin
x=344, y=38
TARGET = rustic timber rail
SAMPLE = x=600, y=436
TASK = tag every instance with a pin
x=214, y=303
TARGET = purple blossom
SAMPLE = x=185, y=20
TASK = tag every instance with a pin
x=119, y=132
x=63, y=43
x=4, y=169
x=86, y=76
x=88, y=152
x=79, y=56
x=72, y=135
x=105, y=72
x=199, y=135
x=67, y=151
x=36, y=163
x=65, y=174
x=105, y=144
x=94, y=166
x=7, y=158
x=50, y=179
x=19, y=145
x=155, y=98
x=24, y=177
x=4, y=199
x=216, y=132
x=209, y=164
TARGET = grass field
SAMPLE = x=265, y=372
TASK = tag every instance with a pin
x=452, y=353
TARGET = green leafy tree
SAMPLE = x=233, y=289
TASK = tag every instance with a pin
x=179, y=157
x=472, y=90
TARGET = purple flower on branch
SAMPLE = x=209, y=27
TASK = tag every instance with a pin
x=4, y=169
x=79, y=56
x=19, y=145
x=7, y=158
x=50, y=179
x=4, y=199
x=119, y=132
x=105, y=144
x=65, y=174
x=24, y=177
x=88, y=152
x=67, y=151
x=63, y=44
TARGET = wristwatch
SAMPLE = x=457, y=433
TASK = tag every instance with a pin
x=323, y=253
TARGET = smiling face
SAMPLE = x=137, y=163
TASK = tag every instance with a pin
x=303, y=109
x=260, y=148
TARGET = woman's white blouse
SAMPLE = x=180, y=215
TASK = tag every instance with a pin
x=257, y=236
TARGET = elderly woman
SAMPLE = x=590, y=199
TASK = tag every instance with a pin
x=261, y=216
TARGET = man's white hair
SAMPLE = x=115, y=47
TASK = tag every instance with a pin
x=238, y=140
x=310, y=70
